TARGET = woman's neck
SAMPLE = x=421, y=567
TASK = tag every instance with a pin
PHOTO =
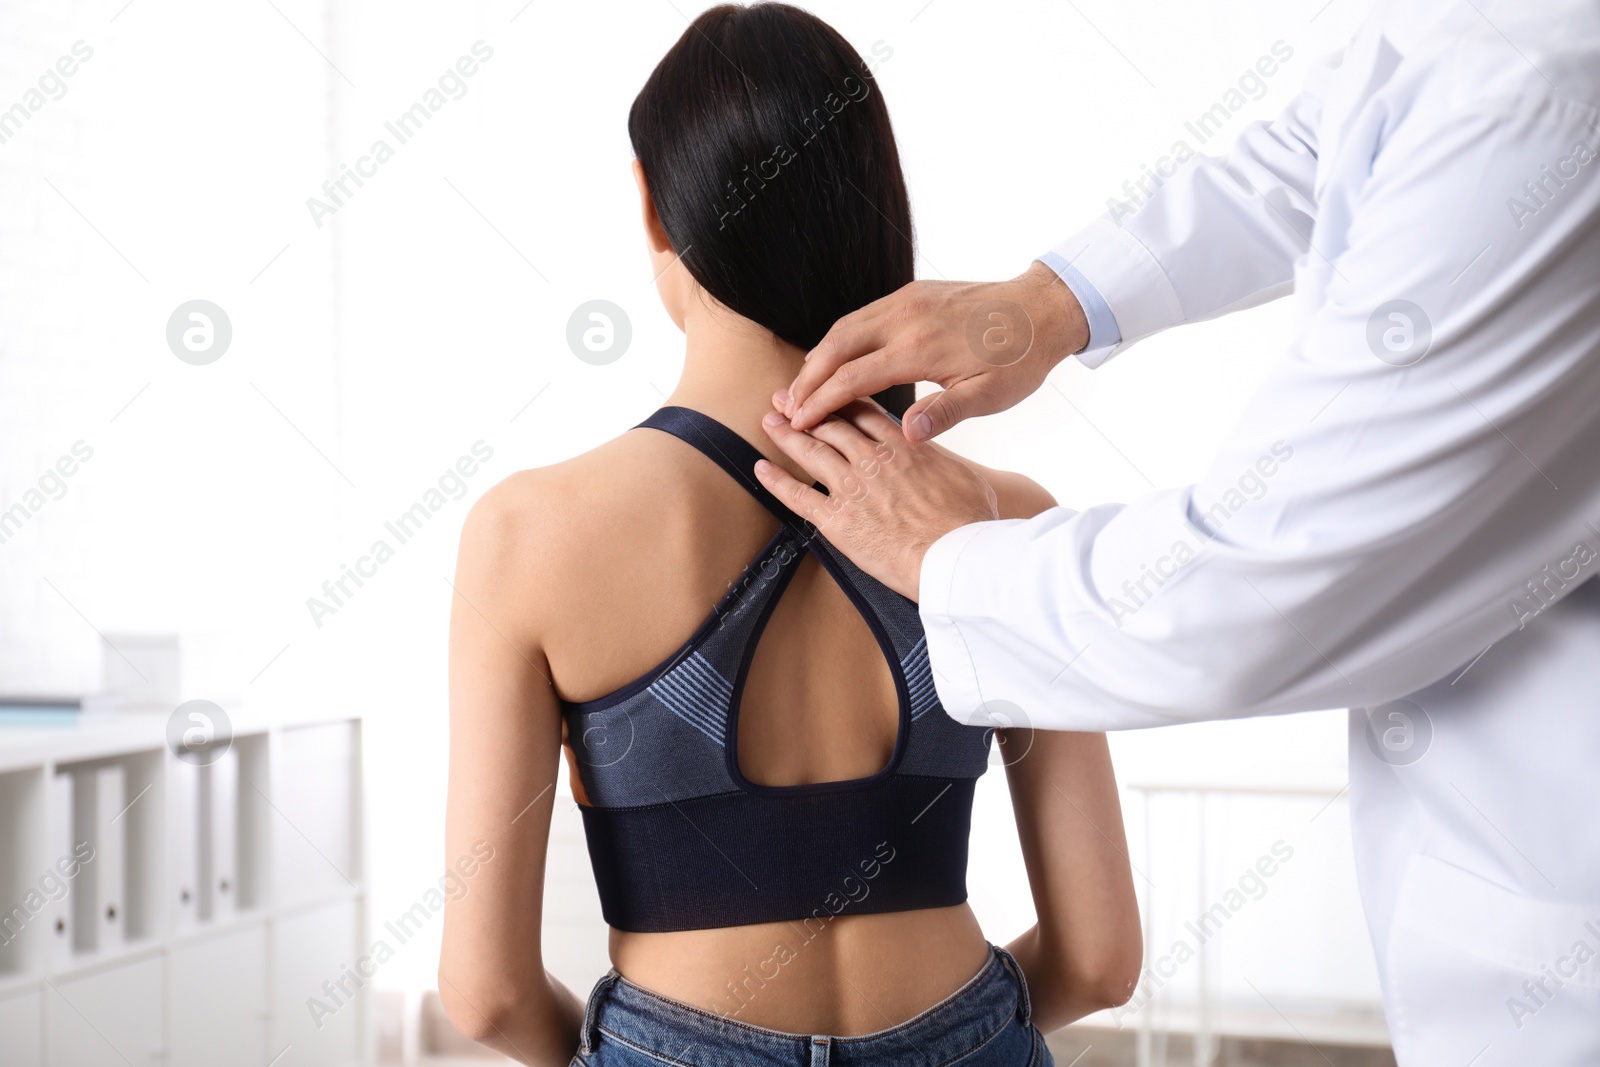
x=731, y=368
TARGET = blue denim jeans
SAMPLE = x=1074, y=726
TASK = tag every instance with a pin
x=985, y=1023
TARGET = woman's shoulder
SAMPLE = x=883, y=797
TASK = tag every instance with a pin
x=1016, y=495
x=570, y=503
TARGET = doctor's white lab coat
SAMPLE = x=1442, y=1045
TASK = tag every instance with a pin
x=1406, y=522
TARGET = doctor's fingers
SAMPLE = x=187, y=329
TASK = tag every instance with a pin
x=817, y=457
x=850, y=336
x=845, y=365
x=851, y=441
x=860, y=378
x=793, y=494
x=873, y=421
x=935, y=413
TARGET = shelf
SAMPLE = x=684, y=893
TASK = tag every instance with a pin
x=92, y=735
x=161, y=871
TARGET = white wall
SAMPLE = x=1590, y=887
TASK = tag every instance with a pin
x=428, y=313
x=169, y=170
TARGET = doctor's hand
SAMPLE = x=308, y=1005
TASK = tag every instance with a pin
x=988, y=344
x=888, y=499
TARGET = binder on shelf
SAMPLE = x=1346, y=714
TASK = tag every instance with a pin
x=219, y=796
x=98, y=911
x=73, y=862
x=111, y=800
x=183, y=837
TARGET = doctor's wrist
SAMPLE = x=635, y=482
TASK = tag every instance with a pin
x=1060, y=327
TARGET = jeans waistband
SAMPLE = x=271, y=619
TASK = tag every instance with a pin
x=989, y=1001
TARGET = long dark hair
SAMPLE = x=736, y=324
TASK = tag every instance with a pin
x=773, y=167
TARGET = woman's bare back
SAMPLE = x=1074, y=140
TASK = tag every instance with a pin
x=647, y=536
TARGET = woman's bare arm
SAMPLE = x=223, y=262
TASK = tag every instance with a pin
x=1085, y=952
x=505, y=744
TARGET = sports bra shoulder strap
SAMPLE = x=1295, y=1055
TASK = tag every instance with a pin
x=727, y=450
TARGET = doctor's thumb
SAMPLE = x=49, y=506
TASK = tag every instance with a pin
x=932, y=415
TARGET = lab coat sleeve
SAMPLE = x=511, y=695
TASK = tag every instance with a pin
x=1200, y=236
x=1374, y=522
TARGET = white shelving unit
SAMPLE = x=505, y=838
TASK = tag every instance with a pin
x=217, y=902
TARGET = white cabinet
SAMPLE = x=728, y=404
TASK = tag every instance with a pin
x=168, y=914
x=111, y=1018
x=19, y=1029
x=217, y=1001
x=317, y=1014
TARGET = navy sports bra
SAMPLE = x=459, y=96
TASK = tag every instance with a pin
x=680, y=840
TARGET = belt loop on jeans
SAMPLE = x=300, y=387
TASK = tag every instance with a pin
x=1024, y=1005
x=819, y=1051
x=590, y=1010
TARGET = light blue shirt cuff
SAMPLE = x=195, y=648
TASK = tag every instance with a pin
x=1103, y=331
